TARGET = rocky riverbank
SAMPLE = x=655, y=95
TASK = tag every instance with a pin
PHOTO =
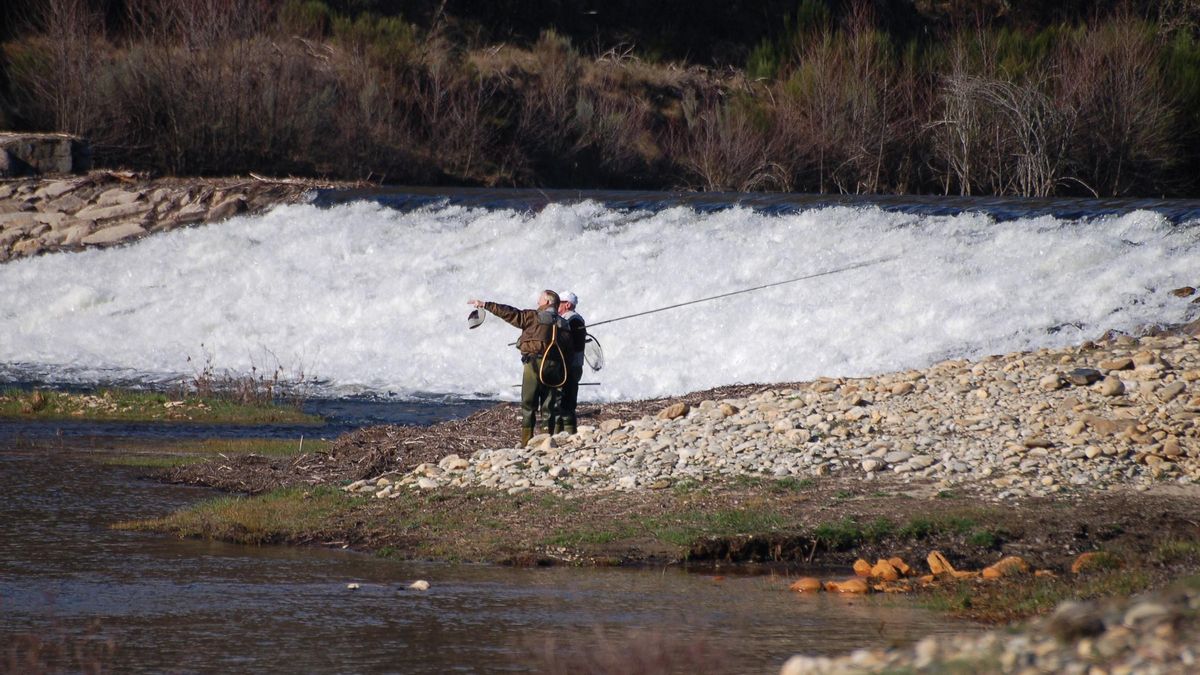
x=104, y=208
x=1152, y=634
x=1119, y=413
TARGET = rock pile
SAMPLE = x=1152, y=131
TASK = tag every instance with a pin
x=1120, y=412
x=893, y=575
x=1151, y=634
x=103, y=209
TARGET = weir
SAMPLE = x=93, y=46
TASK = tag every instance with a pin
x=369, y=299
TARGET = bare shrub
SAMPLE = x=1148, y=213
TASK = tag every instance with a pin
x=723, y=148
x=199, y=24
x=255, y=102
x=456, y=105
x=54, y=74
x=961, y=134
x=613, y=121
x=843, y=114
x=998, y=133
x=546, y=122
x=255, y=388
x=1112, y=76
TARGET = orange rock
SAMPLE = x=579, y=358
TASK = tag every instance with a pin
x=884, y=570
x=862, y=568
x=806, y=585
x=938, y=564
x=855, y=585
x=960, y=574
x=925, y=580
x=1007, y=567
x=901, y=566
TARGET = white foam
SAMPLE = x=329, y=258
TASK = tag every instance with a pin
x=373, y=300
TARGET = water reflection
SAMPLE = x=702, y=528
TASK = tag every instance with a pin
x=194, y=606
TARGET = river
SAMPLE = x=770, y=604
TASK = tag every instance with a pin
x=170, y=605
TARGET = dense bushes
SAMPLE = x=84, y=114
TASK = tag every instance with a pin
x=830, y=102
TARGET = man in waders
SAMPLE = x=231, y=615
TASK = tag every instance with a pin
x=570, y=393
x=544, y=351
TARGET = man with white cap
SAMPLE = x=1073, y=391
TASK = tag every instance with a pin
x=570, y=392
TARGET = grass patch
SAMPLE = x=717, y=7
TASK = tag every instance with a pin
x=139, y=406
x=1177, y=551
x=270, y=447
x=849, y=533
x=185, y=453
x=686, y=528
x=1032, y=596
x=984, y=539
x=679, y=530
x=147, y=461
x=786, y=485
x=687, y=486
x=285, y=515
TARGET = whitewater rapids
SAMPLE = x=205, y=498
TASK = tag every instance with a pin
x=372, y=300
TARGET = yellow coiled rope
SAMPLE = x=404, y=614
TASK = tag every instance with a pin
x=561, y=357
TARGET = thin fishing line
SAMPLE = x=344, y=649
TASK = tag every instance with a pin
x=866, y=263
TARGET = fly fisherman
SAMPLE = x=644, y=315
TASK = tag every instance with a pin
x=570, y=392
x=544, y=346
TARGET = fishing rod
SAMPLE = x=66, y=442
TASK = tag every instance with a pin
x=595, y=355
x=858, y=265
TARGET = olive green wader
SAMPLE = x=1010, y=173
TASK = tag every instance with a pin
x=535, y=395
x=566, y=420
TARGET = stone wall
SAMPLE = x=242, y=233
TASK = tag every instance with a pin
x=106, y=208
x=32, y=154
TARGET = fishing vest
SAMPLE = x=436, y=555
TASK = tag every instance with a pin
x=578, y=337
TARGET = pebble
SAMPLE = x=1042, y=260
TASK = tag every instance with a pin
x=1154, y=634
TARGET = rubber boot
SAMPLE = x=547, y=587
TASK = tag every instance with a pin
x=526, y=434
x=570, y=429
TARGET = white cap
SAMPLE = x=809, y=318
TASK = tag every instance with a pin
x=569, y=297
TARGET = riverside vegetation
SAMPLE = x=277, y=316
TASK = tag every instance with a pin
x=1093, y=98
x=208, y=396
x=124, y=405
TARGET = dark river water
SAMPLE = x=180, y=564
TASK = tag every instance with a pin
x=169, y=605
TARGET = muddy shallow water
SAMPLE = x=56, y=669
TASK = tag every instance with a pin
x=195, y=606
